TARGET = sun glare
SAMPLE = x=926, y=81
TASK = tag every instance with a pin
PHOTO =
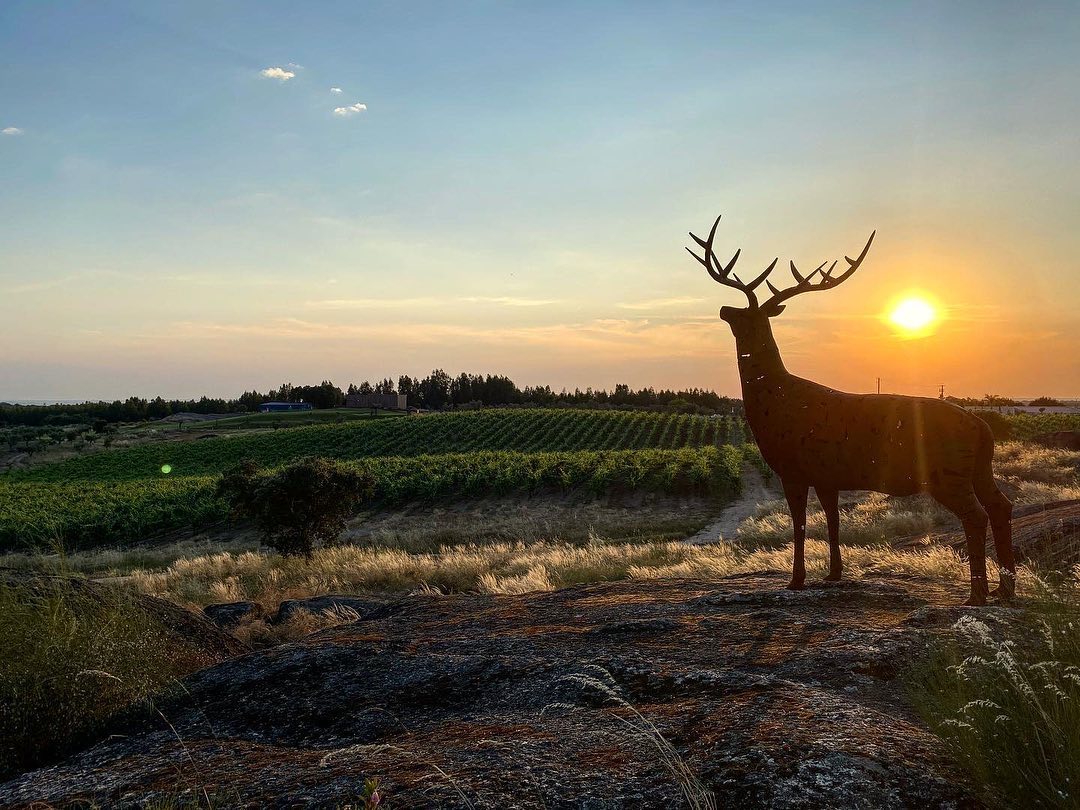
x=913, y=315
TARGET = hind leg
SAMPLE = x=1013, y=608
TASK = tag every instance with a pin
x=964, y=504
x=999, y=509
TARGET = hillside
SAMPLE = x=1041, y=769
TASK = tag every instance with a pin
x=763, y=697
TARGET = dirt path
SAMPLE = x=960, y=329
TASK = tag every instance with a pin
x=755, y=491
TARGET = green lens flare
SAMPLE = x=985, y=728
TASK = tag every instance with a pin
x=165, y=468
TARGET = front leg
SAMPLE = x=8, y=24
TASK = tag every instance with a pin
x=830, y=503
x=796, y=498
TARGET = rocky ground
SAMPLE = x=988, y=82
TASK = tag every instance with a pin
x=623, y=695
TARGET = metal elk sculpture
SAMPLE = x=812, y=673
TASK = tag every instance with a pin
x=813, y=436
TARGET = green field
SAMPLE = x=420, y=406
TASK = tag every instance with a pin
x=123, y=495
x=528, y=431
x=1028, y=425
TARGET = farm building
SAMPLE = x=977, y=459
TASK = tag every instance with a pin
x=392, y=401
x=274, y=407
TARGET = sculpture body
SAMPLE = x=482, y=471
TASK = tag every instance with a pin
x=814, y=436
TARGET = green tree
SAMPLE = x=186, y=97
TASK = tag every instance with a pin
x=299, y=506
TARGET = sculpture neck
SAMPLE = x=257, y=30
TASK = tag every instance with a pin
x=759, y=357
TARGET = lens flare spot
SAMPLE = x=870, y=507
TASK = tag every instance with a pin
x=166, y=469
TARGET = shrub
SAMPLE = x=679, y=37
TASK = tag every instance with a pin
x=298, y=506
x=1000, y=425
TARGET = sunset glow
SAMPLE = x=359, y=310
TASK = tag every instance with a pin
x=186, y=218
x=914, y=315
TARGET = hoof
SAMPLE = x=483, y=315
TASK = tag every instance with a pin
x=1003, y=592
x=832, y=578
x=796, y=585
x=976, y=600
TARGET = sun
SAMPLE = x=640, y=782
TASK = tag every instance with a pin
x=914, y=315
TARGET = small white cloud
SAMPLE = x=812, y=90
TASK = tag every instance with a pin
x=335, y=89
x=352, y=109
x=277, y=73
x=11, y=131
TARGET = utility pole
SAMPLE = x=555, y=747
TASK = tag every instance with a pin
x=879, y=385
x=941, y=391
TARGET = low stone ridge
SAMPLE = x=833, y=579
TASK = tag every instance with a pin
x=228, y=615
x=621, y=695
x=1041, y=533
x=359, y=605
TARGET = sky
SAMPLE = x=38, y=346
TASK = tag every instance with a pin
x=206, y=197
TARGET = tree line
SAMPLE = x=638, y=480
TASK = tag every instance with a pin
x=437, y=391
x=997, y=401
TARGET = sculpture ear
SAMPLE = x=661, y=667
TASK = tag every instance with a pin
x=775, y=310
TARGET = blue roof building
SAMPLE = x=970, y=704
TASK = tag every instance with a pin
x=274, y=407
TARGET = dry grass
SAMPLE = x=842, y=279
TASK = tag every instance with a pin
x=261, y=633
x=867, y=519
x=1019, y=461
x=122, y=561
x=503, y=569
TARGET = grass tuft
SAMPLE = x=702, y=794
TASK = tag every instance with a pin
x=71, y=657
x=1005, y=697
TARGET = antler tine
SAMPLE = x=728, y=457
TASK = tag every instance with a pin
x=722, y=273
x=828, y=280
x=757, y=281
x=853, y=263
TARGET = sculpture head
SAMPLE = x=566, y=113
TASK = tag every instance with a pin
x=750, y=324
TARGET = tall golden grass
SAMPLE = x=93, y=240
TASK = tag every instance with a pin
x=507, y=568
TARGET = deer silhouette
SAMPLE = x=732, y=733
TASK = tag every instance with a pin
x=814, y=436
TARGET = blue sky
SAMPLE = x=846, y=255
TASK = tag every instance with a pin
x=516, y=194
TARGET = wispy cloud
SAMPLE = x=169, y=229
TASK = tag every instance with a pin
x=370, y=303
x=352, y=109
x=598, y=338
x=660, y=303
x=11, y=131
x=279, y=73
x=426, y=301
x=508, y=301
x=335, y=89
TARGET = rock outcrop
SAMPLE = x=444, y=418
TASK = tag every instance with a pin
x=624, y=695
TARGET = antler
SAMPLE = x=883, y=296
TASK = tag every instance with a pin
x=828, y=280
x=722, y=273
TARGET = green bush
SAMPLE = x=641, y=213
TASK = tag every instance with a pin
x=71, y=657
x=299, y=506
x=1001, y=426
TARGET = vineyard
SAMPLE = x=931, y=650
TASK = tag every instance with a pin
x=123, y=495
x=524, y=431
x=85, y=513
x=1029, y=425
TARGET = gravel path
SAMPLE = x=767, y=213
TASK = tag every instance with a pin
x=755, y=491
